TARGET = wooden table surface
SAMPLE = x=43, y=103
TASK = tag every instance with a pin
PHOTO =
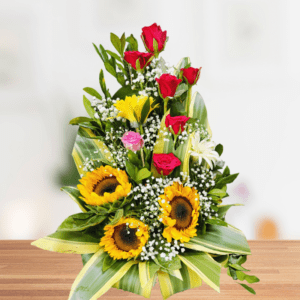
x=27, y=272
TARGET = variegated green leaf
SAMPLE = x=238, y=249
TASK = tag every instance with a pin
x=170, y=285
x=147, y=271
x=220, y=240
x=75, y=196
x=93, y=150
x=131, y=282
x=92, y=282
x=183, y=63
x=69, y=242
x=204, y=265
x=198, y=111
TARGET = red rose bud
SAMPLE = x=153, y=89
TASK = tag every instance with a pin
x=167, y=85
x=144, y=59
x=154, y=32
x=165, y=163
x=191, y=75
x=176, y=122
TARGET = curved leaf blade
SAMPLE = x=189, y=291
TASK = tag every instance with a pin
x=220, y=240
x=75, y=196
x=69, y=242
x=92, y=282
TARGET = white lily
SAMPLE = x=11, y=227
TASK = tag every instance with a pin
x=204, y=149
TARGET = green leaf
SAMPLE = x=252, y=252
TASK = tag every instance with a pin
x=116, y=42
x=75, y=196
x=226, y=172
x=182, y=88
x=197, y=110
x=248, y=288
x=103, y=85
x=103, y=54
x=183, y=63
x=78, y=242
x=143, y=174
x=219, y=149
x=224, y=208
x=123, y=42
x=170, y=285
x=92, y=282
x=133, y=44
x=251, y=278
x=123, y=92
x=88, y=107
x=220, y=240
x=134, y=158
x=145, y=111
x=226, y=180
x=110, y=69
x=114, y=55
x=81, y=221
x=108, y=262
x=169, y=265
x=78, y=120
x=155, y=45
x=217, y=192
x=87, y=148
x=118, y=215
x=177, y=109
x=147, y=270
x=120, y=78
x=207, y=268
x=86, y=257
x=238, y=267
x=215, y=221
x=131, y=169
x=130, y=282
x=92, y=92
x=97, y=50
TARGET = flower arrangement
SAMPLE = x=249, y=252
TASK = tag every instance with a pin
x=152, y=182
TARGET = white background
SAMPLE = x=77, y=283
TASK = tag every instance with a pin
x=250, y=54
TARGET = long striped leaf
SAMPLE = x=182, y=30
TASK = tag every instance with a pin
x=183, y=63
x=69, y=242
x=164, y=142
x=89, y=149
x=75, y=196
x=204, y=265
x=198, y=111
x=170, y=285
x=147, y=271
x=131, y=282
x=220, y=240
x=92, y=282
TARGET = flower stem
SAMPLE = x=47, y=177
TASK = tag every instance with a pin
x=141, y=130
x=188, y=100
x=166, y=105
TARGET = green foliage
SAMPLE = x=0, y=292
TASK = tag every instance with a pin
x=103, y=85
x=132, y=43
x=118, y=43
x=123, y=92
x=219, y=149
x=108, y=262
x=181, y=89
x=183, y=63
x=117, y=217
x=79, y=120
x=145, y=111
x=135, y=174
x=92, y=92
x=81, y=221
x=169, y=265
x=88, y=107
x=177, y=109
x=222, y=209
x=75, y=196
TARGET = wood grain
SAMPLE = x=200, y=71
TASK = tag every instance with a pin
x=27, y=273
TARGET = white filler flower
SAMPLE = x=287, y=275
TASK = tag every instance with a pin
x=204, y=150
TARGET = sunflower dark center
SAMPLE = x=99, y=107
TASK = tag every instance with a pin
x=106, y=185
x=125, y=238
x=182, y=212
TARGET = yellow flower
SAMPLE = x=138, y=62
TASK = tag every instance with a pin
x=123, y=241
x=131, y=108
x=180, y=212
x=104, y=185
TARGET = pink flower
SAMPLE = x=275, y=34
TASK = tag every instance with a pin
x=132, y=141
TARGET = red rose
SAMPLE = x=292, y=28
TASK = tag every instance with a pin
x=154, y=32
x=191, y=75
x=167, y=85
x=165, y=163
x=176, y=122
x=132, y=56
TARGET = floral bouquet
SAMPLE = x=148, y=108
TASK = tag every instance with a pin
x=152, y=182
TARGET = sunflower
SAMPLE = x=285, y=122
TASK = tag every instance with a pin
x=125, y=239
x=104, y=185
x=180, y=212
x=131, y=108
